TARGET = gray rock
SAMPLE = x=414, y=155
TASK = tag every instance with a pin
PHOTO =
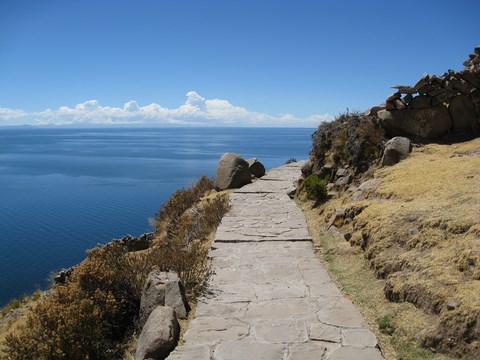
x=344, y=180
x=342, y=172
x=447, y=85
x=155, y=290
x=400, y=105
x=469, y=77
x=396, y=149
x=462, y=112
x=176, y=299
x=307, y=169
x=420, y=83
x=413, y=231
x=159, y=336
x=435, y=92
x=232, y=172
x=394, y=96
x=404, y=89
x=442, y=97
x=365, y=189
x=461, y=86
x=374, y=109
x=425, y=89
x=425, y=124
x=337, y=218
x=452, y=305
x=419, y=102
x=256, y=167
x=325, y=171
x=137, y=243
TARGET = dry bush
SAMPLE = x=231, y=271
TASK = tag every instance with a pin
x=351, y=139
x=179, y=202
x=89, y=315
x=185, y=248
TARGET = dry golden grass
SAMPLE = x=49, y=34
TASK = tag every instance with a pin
x=421, y=235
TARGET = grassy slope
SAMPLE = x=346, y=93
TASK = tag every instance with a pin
x=435, y=191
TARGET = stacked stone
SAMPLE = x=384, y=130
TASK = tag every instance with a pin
x=461, y=88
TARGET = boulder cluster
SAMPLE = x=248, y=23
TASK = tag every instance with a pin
x=435, y=105
x=163, y=301
x=233, y=171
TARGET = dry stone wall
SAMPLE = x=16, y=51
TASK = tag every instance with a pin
x=449, y=103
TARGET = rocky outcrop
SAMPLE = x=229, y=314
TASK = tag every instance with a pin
x=63, y=275
x=436, y=105
x=162, y=289
x=232, y=172
x=137, y=243
x=396, y=149
x=159, y=336
x=423, y=124
x=256, y=167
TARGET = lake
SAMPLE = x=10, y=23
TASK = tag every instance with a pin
x=64, y=190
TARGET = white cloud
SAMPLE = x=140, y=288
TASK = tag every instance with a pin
x=7, y=114
x=196, y=111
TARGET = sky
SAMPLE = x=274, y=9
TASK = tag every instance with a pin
x=219, y=62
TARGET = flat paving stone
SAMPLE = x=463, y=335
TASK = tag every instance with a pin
x=269, y=297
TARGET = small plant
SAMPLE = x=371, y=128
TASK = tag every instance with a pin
x=385, y=325
x=315, y=188
x=291, y=160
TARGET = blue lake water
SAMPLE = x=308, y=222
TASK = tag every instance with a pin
x=62, y=191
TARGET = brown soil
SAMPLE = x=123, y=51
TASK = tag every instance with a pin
x=420, y=233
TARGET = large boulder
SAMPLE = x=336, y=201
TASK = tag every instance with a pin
x=162, y=289
x=422, y=124
x=232, y=172
x=464, y=117
x=256, y=167
x=396, y=149
x=159, y=336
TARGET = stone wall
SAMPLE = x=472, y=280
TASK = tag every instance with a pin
x=435, y=105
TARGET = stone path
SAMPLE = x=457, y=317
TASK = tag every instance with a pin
x=270, y=298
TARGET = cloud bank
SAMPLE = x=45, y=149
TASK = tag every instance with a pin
x=197, y=111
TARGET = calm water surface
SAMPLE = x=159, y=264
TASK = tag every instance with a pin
x=62, y=191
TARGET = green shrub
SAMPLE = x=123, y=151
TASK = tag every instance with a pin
x=385, y=325
x=291, y=160
x=315, y=188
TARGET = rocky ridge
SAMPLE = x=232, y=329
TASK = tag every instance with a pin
x=435, y=105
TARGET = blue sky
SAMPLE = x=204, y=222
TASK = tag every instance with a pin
x=228, y=62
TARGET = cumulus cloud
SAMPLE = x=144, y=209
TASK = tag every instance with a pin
x=195, y=111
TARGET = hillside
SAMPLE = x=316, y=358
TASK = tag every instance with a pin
x=419, y=231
